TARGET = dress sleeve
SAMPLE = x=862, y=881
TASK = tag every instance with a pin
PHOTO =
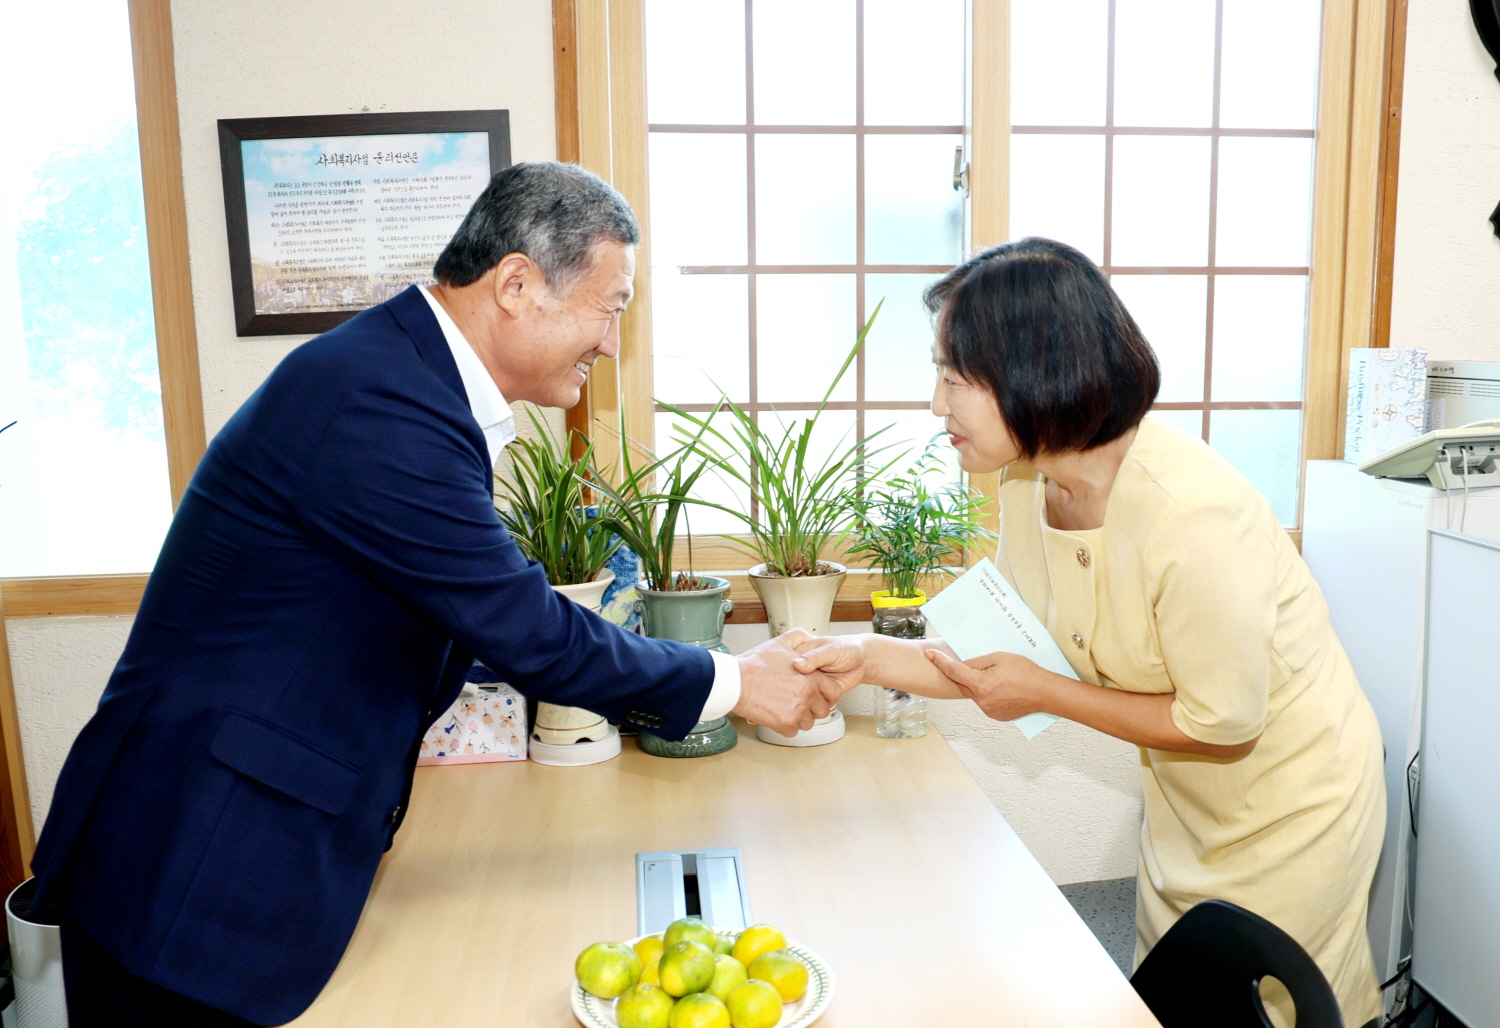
x=1215, y=618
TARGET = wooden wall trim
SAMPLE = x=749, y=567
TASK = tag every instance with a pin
x=166, y=238
x=600, y=92
x=72, y=597
x=17, y=835
x=1390, y=169
x=988, y=130
x=565, y=77
x=580, y=417
x=1353, y=159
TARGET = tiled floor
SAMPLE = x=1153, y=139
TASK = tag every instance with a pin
x=1108, y=908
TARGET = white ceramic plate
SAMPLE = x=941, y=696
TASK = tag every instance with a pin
x=593, y=1012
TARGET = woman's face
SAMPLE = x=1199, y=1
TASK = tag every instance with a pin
x=977, y=430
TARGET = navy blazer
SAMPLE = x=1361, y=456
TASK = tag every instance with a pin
x=331, y=573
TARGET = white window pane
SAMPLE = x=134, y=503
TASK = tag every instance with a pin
x=805, y=325
x=1265, y=202
x=700, y=336
x=1172, y=312
x=834, y=434
x=804, y=62
x=1057, y=190
x=1269, y=76
x=1260, y=324
x=716, y=486
x=1164, y=63
x=1058, y=61
x=695, y=62
x=914, y=62
x=698, y=198
x=804, y=199
x=913, y=215
x=907, y=433
x=1160, y=201
x=898, y=350
x=83, y=468
x=1188, y=421
x=1265, y=445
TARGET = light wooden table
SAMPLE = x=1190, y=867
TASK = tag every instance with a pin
x=882, y=856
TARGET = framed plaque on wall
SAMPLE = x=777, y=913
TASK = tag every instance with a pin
x=331, y=214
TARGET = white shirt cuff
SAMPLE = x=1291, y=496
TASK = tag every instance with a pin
x=726, y=691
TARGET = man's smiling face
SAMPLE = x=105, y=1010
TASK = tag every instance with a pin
x=559, y=337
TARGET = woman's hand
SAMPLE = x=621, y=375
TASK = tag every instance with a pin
x=1003, y=684
x=841, y=657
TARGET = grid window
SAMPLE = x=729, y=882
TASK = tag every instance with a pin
x=801, y=159
x=1154, y=136
x=83, y=466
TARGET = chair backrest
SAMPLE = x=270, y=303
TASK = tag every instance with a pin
x=1207, y=970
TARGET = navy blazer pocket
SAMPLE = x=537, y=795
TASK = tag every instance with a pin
x=289, y=765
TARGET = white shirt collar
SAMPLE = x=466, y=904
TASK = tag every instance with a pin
x=495, y=418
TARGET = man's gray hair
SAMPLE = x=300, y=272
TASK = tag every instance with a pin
x=553, y=213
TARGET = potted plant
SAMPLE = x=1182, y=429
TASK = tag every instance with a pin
x=803, y=506
x=548, y=512
x=909, y=530
x=645, y=506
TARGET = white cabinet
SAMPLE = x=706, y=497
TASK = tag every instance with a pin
x=1365, y=540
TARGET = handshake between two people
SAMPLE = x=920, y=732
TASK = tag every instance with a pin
x=796, y=678
x=788, y=682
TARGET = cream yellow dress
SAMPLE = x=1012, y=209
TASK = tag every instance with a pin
x=1191, y=587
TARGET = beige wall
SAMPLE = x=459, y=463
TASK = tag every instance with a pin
x=274, y=58
x=1446, y=289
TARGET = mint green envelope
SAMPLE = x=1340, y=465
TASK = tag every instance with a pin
x=980, y=614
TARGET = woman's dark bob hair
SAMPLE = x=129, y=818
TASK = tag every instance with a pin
x=1035, y=322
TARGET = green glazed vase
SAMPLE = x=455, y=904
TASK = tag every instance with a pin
x=695, y=618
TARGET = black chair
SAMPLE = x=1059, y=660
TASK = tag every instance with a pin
x=1206, y=971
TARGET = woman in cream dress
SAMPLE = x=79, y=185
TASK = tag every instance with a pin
x=1191, y=619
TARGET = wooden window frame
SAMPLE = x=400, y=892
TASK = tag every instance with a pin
x=172, y=303
x=600, y=95
x=182, y=406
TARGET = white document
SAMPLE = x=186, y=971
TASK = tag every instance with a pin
x=980, y=614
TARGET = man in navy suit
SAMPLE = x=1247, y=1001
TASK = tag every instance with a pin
x=334, y=569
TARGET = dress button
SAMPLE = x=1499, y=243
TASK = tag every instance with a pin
x=1083, y=557
x=1078, y=640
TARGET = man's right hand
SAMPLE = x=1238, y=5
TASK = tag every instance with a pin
x=775, y=694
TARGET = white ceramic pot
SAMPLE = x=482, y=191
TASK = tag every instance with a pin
x=565, y=726
x=805, y=603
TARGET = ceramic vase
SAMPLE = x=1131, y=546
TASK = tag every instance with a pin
x=806, y=603
x=695, y=617
x=567, y=725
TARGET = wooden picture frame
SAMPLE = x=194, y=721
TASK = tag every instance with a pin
x=324, y=221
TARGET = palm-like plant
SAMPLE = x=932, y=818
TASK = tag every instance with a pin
x=908, y=529
x=645, y=514
x=804, y=503
x=549, y=513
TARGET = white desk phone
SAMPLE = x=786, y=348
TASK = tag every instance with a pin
x=1449, y=458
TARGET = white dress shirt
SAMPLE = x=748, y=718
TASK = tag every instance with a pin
x=498, y=423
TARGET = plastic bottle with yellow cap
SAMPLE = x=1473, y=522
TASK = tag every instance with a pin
x=899, y=714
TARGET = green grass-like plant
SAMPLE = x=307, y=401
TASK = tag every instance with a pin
x=645, y=514
x=909, y=529
x=549, y=514
x=804, y=504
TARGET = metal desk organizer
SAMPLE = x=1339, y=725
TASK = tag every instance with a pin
x=706, y=884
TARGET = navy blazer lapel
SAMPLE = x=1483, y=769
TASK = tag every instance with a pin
x=411, y=311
